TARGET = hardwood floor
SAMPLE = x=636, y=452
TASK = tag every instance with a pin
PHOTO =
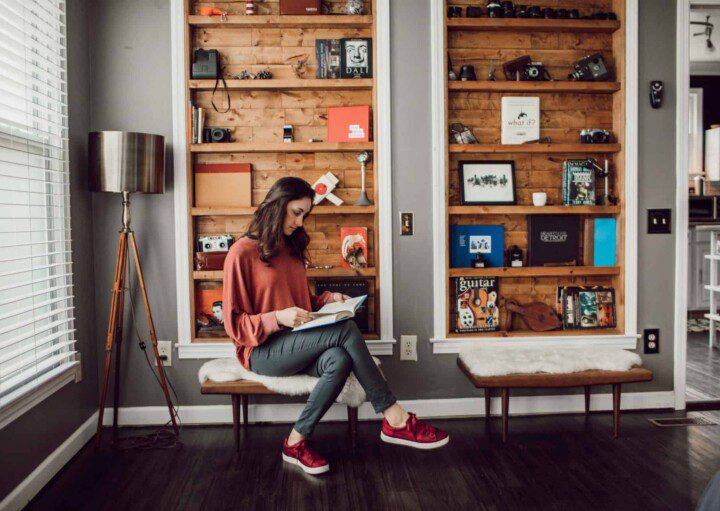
x=550, y=462
x=703, y=369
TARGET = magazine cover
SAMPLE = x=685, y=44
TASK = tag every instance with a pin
x=587, y=301
x=606, y=308
x=209, y=310
x=353, y=247
x=587, y=308
x=477, y=304
x=578, y=183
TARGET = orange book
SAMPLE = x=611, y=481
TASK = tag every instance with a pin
x=209, y=310
x=349, y=124
x=354, y=247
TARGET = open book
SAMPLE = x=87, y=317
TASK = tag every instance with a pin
x=333, y=313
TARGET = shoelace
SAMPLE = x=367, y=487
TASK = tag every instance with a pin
x=304, y=450
x=417, y=426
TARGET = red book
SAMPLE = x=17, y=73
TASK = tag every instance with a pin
x=353, y=247
x=349, y=124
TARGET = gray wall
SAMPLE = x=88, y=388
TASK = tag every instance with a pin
x=130, y=58
x=28, y=440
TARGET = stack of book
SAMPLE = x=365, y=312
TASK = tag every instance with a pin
x=197, y=123
x=586, y=308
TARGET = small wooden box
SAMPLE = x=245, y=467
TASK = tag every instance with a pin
x=300, y=7
x=223, y=185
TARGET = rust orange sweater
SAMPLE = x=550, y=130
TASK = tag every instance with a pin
x=254, y=290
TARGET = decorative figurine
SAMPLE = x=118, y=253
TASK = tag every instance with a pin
x=363, y=200
x=324, y=187
x=355, y=7
x=250, y=7
x=479, y=261
x=491, y=74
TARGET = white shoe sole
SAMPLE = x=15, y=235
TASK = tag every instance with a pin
x=410, y=443
x=309, y=470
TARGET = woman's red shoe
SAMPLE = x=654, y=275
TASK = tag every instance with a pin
x=415, y=433
x=303, y=455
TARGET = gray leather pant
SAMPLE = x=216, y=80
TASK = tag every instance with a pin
x=328, y=353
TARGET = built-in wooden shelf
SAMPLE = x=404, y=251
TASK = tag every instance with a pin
x=533, y=87
x=534, y=210
x=312, y=273
x=317, y=210
x=277, y=21
x=223, y=338
x=536, y=271
x=281, y=147
x=530, y=333
x=281, y=84
x=533, y=25
x=532, y=148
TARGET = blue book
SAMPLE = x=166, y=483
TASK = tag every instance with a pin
x=466, y=241
x=605, y=242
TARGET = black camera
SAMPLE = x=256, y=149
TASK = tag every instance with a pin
x=206, y=65
x=473, y=11
x=215, y=135
x=508, y=9
x=494, y=9
x=590, y=69
x=454, y=11
x=536, y=72
x=594, y=136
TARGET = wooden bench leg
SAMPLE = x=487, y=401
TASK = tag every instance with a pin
x=352, y=425
x=616, y=409
x=245, y=410
x=505, y=408
x=587, y=399
x=236, y=420
x=488, y=401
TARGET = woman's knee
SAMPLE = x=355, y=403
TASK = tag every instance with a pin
x=351, y=332
x=336, y=360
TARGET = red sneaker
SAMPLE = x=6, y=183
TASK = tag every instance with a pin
x=305, y=456
x=415, y=433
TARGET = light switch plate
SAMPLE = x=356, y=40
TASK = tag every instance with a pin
x=407, y=223
x=659, y=221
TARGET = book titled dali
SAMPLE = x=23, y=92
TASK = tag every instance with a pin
x=477, y=304
x=520, y=119
x=332, y=313
x=578, y=183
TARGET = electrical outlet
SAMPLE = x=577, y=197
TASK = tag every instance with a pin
x=165, y=351
x=78, y=368
x=651, y=340
x=408, y=347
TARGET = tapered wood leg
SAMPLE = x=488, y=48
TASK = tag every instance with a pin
x=616, y=409
x=505, y=409
x=488, y=401
x=236, y=420
x=112, y=327
x=587, y=399
x=153, y=337
x=352, y=425
x=246, y=421
x=118, y=341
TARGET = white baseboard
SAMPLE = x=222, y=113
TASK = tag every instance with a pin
x=430, y=408
x=38, y=478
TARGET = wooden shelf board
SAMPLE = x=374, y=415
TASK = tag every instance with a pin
x=509, y=86
x=534, y=210
x=217, y=276
x=530, y=333
x=286, y=84
x=535, y=271
x=317, y=210
x=280, y=147
x=533, y=148
x=278, y=21
x=368, y=337
x=534, y=25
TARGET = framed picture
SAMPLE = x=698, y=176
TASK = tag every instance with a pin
x=487, y=182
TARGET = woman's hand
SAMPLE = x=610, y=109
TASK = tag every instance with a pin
x=339, y=297
x=292, y=317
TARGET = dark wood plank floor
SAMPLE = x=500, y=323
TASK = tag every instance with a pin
x=703, y=369
x=551, y=462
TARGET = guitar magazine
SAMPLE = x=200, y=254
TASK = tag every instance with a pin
x=477, y=304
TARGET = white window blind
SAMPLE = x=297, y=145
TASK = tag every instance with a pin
x=36, y=303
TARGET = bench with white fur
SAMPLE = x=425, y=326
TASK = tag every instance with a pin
x=510, y=367
x=228, y=376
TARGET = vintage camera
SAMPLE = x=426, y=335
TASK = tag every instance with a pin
x=594, y=136
x=535, y=72
x=455, y=11
x=473, y=11
x=215, y=243
x=508, y=9
x=590, y=69
x=216, y=135
x=494, y=9
x=206, y=65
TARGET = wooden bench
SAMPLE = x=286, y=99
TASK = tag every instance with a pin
x=240, y=391
x=584, y=379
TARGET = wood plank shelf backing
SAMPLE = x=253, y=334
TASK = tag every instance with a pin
x=566, y=107
x=258, y=110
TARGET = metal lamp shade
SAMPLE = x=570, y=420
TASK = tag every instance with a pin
x=122, y=161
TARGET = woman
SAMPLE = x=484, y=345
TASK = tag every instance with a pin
x=266, y=295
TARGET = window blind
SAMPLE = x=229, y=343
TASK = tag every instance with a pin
x=37, y=341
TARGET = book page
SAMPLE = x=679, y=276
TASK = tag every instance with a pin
x=350, y=305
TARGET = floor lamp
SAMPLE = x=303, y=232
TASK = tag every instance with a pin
x=122, y=162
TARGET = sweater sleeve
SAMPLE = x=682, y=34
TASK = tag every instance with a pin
x=243, y=327
x=318, y=301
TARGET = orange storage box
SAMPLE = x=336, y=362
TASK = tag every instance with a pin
x=223, y=185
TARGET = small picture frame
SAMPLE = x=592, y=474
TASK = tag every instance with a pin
x=487, y=182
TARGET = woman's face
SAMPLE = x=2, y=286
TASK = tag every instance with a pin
x=295, y=215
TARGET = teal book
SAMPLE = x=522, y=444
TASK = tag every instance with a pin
x=605, y=242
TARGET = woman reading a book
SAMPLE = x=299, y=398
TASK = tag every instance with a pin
x=266, y=296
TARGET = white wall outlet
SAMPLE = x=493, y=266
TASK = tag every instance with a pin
x=165, y=351
x=408, y=347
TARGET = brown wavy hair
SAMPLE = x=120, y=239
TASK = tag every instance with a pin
x=267, y=223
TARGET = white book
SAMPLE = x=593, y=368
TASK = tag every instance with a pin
x=333, y=313
x=520, y=119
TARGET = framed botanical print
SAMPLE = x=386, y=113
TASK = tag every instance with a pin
x=487, y=182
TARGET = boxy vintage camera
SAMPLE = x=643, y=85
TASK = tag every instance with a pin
x=216, y=135
x=215, y=243
x=595, y=136
x=590, y=69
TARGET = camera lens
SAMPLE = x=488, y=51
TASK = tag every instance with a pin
x=562, y=14
x=534, y=12
x=548, y=13
x=494, y=9
x=508, y=9
x=573, y=14
x=521, y=11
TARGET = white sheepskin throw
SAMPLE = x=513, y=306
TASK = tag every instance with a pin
x=230, y=369
x=499, y=361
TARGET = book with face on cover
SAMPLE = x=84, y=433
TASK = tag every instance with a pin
x=332, y=313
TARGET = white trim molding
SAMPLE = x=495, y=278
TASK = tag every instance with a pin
x=627, y=340
x=43, y=473
x=383, y=166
